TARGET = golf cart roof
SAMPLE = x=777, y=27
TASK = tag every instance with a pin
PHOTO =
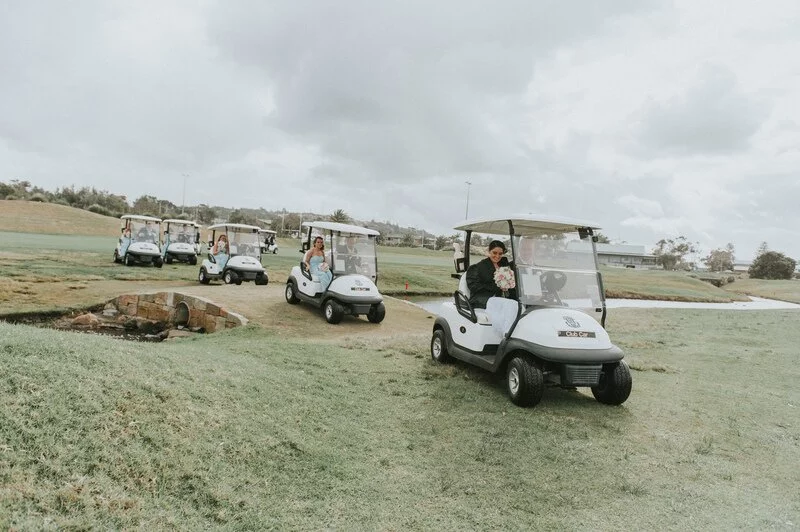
x=341, y=228
x=270, y=231
x=525, y=223
x=140, y=218
x=175, y=221
x=233, y=227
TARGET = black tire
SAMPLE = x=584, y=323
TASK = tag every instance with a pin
x=439, y=347
x=615, y=384
x=230, y=277
x=291, y=296
x=262, y=279
x=128, y=260
x=203, y=276
x=524, y=382
x=376, y=313
x=333, y=311
x=168, y=259
x=158, y=262
x=193, y=260
x=116, y=257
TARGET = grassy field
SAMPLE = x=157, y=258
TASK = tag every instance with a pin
x=788, y=290
x=292, y=423
x=249, y=430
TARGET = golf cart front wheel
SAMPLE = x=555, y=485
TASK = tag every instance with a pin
x=230, y=277
x=615, y=384
x=261, y=279
x=203, y=276
x=128, y=260
x=291, y=297
x=333, y=311
x=376, y=313
x=439, y=347
x=524, y=382
x=158, y=262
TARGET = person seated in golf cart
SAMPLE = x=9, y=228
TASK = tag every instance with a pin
x=125, y=240
x=485, y=292
x=314, y=260
x=220, y=251
x=480, y=276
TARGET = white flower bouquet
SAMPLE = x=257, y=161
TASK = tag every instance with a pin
x=504, y=279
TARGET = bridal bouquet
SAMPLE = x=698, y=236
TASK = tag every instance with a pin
x=323, y=267
x=504, y=279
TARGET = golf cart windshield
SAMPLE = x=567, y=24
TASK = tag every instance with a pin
x=184, y=233
x=557, y=269
x=354, y=254
x=144, y=231
x=245, y=243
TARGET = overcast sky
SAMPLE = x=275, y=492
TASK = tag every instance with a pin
x=653, y=119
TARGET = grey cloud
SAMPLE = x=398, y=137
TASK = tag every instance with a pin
x=712, y=117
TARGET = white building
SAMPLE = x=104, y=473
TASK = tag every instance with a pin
x=625, y=256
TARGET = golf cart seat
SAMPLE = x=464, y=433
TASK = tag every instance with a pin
x=462, y=302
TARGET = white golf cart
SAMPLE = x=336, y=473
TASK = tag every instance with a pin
x=555, y=334
x=181, y=241
x=354, y=264
x=241, y=261
x=268, y=244
x=139, y=241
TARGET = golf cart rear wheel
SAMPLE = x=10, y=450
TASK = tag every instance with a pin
x=333, y=311
x=116, y=257
x=128, y=260
x=524, y=382
x=291, y=297
x=203, y=276
x=158, y=262
x=193, y=260
x=376, y=313
x=261, y=278
x=615, y=384
x=439, y=347
x=230, y=277
x=168, y=260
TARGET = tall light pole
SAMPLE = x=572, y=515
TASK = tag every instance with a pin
x=466, y=213
x=183, y=200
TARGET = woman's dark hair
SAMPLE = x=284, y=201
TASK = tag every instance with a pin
x=497, y=244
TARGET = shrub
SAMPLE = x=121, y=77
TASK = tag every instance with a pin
x=41, y=198
x=772, y=265
x=98, y=209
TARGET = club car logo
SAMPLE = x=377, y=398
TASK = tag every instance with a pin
x=359, y=286
x=571, y=322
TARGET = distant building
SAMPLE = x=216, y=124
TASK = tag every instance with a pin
x=625, y=256
x=741, y=266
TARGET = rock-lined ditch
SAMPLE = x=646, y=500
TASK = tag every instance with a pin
x=149, y=317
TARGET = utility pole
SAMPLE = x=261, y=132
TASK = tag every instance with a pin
x=466, y=213
x=183, y=200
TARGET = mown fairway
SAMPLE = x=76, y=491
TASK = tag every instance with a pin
x=250, y=430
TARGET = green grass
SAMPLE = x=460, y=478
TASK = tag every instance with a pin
x=427, y=272
x=248, y=430
x=784, y=290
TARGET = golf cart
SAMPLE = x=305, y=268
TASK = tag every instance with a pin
x=139, y=242
x=268, y=244
x=181, y=241
x=240, y=262
x=354, y=265
x=555, y=334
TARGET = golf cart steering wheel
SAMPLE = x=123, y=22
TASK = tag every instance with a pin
x=552, y=282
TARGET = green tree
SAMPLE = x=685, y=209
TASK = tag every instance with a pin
x=205, y=214
x=238, y=216
x=720, y=259
x=772, y=265
x=340, y=216
x=441, y=242
x=408, y=240
x=670, y=253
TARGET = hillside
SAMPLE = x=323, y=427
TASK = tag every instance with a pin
x=50, y=218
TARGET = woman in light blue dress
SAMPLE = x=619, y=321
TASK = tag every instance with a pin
x=314, y=259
